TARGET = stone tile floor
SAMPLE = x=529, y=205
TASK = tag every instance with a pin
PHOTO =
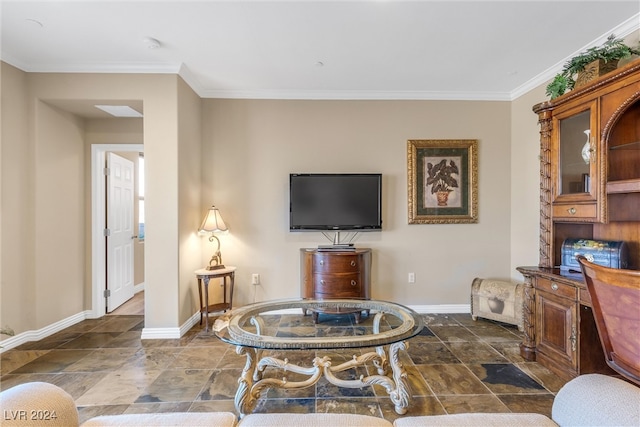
x=456, y=365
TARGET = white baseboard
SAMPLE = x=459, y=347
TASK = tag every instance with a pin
x=160, y=333
x=178, y=332
x=42, y=333
x=170, y=333
x=443, y=308
x=189, y=323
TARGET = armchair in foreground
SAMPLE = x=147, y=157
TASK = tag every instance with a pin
x=615, y=297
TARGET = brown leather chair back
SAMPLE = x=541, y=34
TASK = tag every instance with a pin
x=615, y=298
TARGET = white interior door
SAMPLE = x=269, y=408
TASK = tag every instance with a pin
x=120, y=234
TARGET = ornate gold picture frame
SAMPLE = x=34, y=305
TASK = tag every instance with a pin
x=442, y=181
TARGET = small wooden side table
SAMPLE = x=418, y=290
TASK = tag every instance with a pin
x=204, y=276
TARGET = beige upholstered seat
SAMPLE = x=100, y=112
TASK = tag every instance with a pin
x=312, y=420
x=37, y=404
x=586, y=400
x=474, y=420
x=597, y=400
x=210, y=419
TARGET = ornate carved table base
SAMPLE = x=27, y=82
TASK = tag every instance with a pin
x=251, y=382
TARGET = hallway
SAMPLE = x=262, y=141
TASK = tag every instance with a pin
x=133, y=307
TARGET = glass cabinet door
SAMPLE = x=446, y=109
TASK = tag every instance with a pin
x=576, y=152
x=575, y=136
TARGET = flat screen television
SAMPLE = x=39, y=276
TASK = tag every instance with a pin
x=335, y=201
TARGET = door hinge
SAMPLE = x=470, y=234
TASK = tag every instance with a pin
x=106, y=171
x=107, y=293
x=107, y=232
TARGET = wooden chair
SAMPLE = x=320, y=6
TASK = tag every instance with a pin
x=615, y=298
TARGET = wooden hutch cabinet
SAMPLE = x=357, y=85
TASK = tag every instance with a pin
x=335, y=274
x=597, y=198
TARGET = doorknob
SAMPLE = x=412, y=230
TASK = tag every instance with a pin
x=134, y=237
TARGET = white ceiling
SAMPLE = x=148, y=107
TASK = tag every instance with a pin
x=359, y=49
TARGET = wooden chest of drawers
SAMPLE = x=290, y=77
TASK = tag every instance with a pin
x=335, y=274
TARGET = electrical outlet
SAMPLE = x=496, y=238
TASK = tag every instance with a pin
x=412, y=278
x=255, y=279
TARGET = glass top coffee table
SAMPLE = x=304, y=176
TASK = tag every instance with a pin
x=284, y=325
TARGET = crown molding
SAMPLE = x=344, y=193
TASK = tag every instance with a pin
x=625, y=29
x=89, y=67
x=358, y=95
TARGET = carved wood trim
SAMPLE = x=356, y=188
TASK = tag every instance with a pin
x=546, y=224
x=528, y=345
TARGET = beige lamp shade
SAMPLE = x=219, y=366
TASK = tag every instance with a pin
x=213, y=222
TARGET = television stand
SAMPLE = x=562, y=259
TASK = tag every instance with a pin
x=335, y=273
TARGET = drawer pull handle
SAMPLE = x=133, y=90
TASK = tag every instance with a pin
x=321, y=262
x=322, y=282
x=353, y=263
x=353, y=283
x=572, y=211
x=554, y=286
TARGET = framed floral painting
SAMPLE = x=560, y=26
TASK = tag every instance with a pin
x=442, y=181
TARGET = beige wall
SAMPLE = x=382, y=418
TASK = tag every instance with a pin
x=525, y=179
x=44, y=156
x=42, y=209
x=59, y=253
x=17, y=264
x=189, y=192
x=251, y=146
x=237, y=154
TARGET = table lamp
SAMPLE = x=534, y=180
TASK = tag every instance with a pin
x=213, y=223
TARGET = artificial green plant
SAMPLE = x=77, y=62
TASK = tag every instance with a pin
x=612, y=50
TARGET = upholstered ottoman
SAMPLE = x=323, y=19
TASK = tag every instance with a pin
x=497, y=300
